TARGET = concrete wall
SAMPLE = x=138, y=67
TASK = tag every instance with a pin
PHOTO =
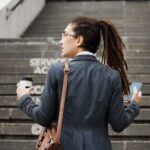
x=14, y=23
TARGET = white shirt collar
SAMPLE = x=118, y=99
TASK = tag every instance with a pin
x=86, y=53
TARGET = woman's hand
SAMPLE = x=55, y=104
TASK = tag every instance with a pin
x=20, y=91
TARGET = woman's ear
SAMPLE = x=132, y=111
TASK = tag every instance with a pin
x=79, y=41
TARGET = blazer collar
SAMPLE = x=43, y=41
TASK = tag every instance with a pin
x=85, y=57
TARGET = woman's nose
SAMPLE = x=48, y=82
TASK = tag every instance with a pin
x=60, y=42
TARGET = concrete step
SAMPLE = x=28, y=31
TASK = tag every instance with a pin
x=30, y=144
x=49, y=24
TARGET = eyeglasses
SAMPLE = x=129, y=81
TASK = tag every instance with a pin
x=64, y=34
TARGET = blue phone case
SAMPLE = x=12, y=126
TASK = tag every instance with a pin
x=138, y=86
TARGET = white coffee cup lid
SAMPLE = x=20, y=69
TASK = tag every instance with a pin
x=23, y=83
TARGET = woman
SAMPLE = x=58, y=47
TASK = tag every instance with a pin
x=95, y=90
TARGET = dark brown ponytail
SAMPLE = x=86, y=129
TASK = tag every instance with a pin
x=113, y=51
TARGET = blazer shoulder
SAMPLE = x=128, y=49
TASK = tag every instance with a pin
x=56, y=69
x=58, y=65
x=110, y=71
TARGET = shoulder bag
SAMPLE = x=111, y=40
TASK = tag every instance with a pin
x=49, y=139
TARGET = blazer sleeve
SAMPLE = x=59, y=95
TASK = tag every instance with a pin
x=45, y=112
x=118, y=116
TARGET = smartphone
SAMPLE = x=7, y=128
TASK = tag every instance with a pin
x=137, y=85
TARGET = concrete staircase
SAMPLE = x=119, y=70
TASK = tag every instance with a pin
x=131, y=18
x=32, y=54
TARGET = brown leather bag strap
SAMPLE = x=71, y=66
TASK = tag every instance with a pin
x=62, y=102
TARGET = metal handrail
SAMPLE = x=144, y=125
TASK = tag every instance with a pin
x=10, y=10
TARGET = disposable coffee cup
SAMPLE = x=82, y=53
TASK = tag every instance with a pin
x=25, y=82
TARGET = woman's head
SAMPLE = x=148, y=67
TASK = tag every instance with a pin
x=80, y=34
x=84, y=33
x=89, y=29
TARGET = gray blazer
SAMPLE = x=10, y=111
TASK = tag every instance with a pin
x=94, y=99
